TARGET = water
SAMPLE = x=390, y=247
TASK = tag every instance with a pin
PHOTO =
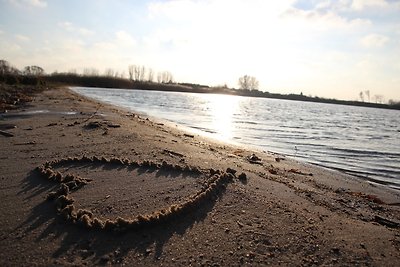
x=364, y=142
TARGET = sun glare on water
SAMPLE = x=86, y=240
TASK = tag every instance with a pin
x=222, y=109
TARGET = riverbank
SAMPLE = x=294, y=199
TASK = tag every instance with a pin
x=271, y=211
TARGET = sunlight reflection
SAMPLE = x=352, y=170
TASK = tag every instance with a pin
x=222, y=109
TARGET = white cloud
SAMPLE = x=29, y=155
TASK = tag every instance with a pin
x=34, y=3
x=68, y=26
x=85, y=32
x=218, y=9
x=22, y=38
x=323, y=5
x=374, y=40
x=38, y=3
x=125, y=38
x=323, y=20
x=364, y=4
x=8, y=48
x=360, y=6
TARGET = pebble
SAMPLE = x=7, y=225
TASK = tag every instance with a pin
x=105, y=258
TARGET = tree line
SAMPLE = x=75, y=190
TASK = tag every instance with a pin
x=30, y=75
x=141, y=77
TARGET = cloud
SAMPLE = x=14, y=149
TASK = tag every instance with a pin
x=10, y=47
x=365, y=4
x=323, y=5
x=37, y=3
x=361, y=6
x=374, y=40
x=33, y=3
x=22, y=38
x=68, y=26
x=324, y=20
x=125, y=38
x=217, y=9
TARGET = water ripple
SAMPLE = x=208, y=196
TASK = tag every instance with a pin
x=360, y=141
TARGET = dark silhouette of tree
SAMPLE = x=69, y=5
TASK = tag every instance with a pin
x=367, y=94
x=8, y=73
x=150, y=75
x=165, y=77
x=247, y=82
x=109, y=72
x=131, y=71
x=5, y=67
x=33, y=71
x=159, y=77
x=379, y=99
x=90, y=72
x=137, y=73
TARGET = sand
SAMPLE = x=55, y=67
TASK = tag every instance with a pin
x=280, y=212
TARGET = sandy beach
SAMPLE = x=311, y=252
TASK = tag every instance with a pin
x=84, y=183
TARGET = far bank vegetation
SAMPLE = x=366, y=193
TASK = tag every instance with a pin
x=144, y=78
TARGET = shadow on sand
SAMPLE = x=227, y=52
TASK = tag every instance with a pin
x=101, y=246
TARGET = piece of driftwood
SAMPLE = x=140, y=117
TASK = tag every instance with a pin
x=386, y=222
x=6, y=134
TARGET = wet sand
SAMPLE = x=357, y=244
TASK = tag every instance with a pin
x=268, y=209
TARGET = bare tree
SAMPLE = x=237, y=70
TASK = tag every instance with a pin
x=136, y=70
x=90, y=72
x=166, y=77
x=379, y=99
x=5, y=67
x=159, y=77
x=131, y=71
x=142, y=73
x=366, y=92
x=72, y=71
x=109, y=72
x=33, y=71
x=150, y=75
x=362, y=96
x=248, y=82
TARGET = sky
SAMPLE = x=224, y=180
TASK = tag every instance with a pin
x=333, y=49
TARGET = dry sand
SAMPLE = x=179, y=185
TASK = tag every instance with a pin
x=284, y=213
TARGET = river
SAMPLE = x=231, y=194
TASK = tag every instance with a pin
x=360, y=141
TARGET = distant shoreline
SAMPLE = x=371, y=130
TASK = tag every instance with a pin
x=120, y=83
x=95, y=80
x=260, y=94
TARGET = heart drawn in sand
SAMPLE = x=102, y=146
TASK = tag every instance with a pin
x=215, y=182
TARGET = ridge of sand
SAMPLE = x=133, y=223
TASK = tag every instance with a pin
x=287, y=213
